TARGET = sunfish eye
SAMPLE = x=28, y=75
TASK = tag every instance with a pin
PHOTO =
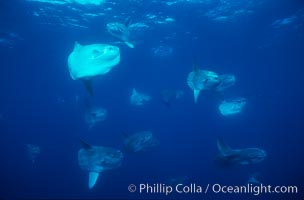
x=111, y=48
x=95, y=53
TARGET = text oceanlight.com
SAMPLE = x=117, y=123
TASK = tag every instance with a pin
x=193, y=188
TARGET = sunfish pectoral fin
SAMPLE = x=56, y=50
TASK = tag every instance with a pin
x=196, y=94
x=129, y=44
x=93, y=176
x=223, y=147
x=88, y=85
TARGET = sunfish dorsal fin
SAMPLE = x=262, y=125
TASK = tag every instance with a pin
x=128, y=21
x=134, y=92
x=88, y=85
x=223, y=147
x=85, y=145
x=76, y=46
x=194, y=65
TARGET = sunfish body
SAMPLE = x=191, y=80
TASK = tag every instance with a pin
x=88, y=61
x=140, y=141
x=96, y=159
x=121, y=32
x=239, y=156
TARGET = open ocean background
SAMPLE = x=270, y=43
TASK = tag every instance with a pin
x=261, y=42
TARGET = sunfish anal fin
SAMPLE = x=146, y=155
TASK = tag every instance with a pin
x=88, y=85
x=93, y=176
x=196, y=94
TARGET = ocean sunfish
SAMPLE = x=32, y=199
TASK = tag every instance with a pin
x=96, y=159
x=245, y=156
x=121, y=32
x=95, y=115
x=140, y=141
x=139, y=99
x=226, y=81
x=199, y=80
x=169, y=96
x=232, y=107
x=33, y=151
x=88, y=61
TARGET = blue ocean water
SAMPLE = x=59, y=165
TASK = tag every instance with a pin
x=260, y=42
